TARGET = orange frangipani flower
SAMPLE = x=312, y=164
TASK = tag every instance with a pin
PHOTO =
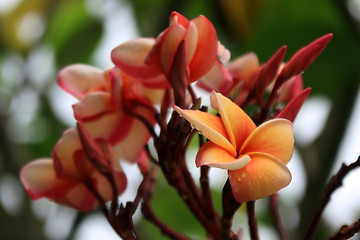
x=255, y=157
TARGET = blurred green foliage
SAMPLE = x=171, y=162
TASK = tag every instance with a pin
x=262, y=26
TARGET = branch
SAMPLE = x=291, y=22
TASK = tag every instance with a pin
x=274, y=206
x=335, y=183
x=347, y=232
x=150, y=215
x=229, y=206
x=250, y=207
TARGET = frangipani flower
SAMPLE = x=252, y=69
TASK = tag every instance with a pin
x=149, y=58
x=252, y=79
x=102, y=96
x=65, y=178
x=218, y=78
x=255, y=157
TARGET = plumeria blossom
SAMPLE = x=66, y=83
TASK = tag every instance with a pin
x=251, y=78
x=105, y=97
x=255, y=157
x=149, y=58
x=66, y=177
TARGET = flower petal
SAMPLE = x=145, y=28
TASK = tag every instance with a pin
x=80, y=79
x=212, y=155
x=170, y=42
x=243, y=67
x=103, y=186
x=80, y=198
x=113, y=127
x=39, y=180
x=176, y=17
x=237, y=123
x=93, y=105
x=63, y=154
x=132, y=145
x=208, y=125
x=130, y=58
x=274, y=137
x=291, y=110
x=217, y=79
x=261, y=177
x=191, y=40
x=206, y=49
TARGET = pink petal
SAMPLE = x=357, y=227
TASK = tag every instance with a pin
x=79, y=198
x=113, y=127
x=93, y=105
x=291, y=110
x=92, y=151
x=269, y=71
x=261, y=177
x=103, y=186
x=39, y=180
x=169, y=45
x=80, y=79
x=290, y=89
x=212, y=155
x=179, y=74
x=176, y=17
x=131, y=147
x=159, y=82
x=206, y=49
x=114, y=81
x=130, y=58
x=191, y=40
x=274, y=137
x=242, y=68
x=303, y=58
x=217, y=79
x=208, y=125
x=154, y=95
x=237, y=123
x=63, y=154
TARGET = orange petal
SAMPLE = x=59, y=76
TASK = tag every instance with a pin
x=206, y=49
x=80, y=79
x=274, y=137
x=262, y=177
x=237, y=123
x=191, y=40
x=170, y=43
x=208, y=125
x=130, y=58
x=212, y=155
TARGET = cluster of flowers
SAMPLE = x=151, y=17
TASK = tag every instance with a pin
x=118, y=109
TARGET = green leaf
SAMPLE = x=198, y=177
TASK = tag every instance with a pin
x=73, y=32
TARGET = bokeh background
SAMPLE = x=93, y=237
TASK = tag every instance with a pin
x=39, y=37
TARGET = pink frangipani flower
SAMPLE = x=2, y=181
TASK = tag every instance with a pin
x=104, y=101
x=69, y=178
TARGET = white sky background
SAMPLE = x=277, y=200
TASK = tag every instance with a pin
x=119, y=27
